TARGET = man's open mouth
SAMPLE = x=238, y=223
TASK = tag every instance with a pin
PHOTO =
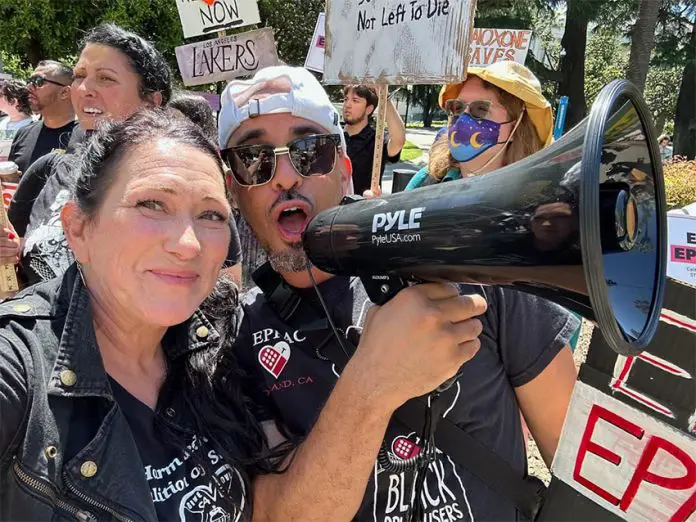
x=292, y=218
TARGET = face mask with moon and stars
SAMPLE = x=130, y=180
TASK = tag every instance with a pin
x=470, y=137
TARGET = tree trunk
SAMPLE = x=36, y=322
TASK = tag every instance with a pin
x=660, y=123
x=685, y=120
x=642, y=42
x=408, y=103
x=572, y=82
x=35, y=52
x=428, y=112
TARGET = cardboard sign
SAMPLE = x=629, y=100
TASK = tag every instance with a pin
x=681, y=248
x=226, y=58
x=496, y=45
x=628, y=462
x=208, y=16
x=315, y=56
x=5, y=146
x=397, y=42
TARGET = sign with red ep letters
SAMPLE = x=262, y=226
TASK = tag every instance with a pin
x=627, y=461
x=682, y=248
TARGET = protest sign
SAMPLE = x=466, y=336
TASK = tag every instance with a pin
x=315, y=56
x=225, y=58
x=681, y=249
x=208, y=16
x=397, y=42
x=496, y=45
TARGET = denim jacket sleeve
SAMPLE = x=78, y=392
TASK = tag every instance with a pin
x=13, y=395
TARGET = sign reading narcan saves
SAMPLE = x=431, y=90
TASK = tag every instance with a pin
x=226, y=58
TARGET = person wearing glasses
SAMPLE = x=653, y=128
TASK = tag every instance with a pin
x=117, y=74
x=49, y=96
x=496, y=117
x=280, y=136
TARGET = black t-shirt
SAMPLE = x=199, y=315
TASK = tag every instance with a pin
x=46, y=253
x=185, y=484
x=36, y=140
x=521, y=336
x=33, y=181
x=361, y=149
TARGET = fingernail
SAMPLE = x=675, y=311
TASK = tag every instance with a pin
x=11, y=236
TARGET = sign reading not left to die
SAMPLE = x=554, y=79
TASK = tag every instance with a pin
x=226, y=58
x=397, y=42
x=208, y=16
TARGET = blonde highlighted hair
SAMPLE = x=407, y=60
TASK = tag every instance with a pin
x=524, y=142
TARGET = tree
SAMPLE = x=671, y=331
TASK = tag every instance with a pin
x=427, y=97
x=661, y=94
x=293, y=25
x=642, y=42
x=685, y=120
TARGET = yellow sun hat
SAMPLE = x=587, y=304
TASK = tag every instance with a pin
x=519, y=81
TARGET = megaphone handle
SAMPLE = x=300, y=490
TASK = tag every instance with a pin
x=381, y=289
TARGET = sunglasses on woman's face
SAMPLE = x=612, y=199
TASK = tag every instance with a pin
x=254, y=165
x=479, y=109
x=39, y=81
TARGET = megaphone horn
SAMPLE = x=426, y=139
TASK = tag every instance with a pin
x=581, y=222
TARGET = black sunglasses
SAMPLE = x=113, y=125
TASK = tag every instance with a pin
x=479, y=109
x=254, y=165
x=39, y=81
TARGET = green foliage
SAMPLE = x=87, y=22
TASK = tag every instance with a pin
x=661, y=91
x=680, y=183
x=293, y=25
x=12, y=65
x=606, y=60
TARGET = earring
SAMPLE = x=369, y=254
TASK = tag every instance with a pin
x=82, y=275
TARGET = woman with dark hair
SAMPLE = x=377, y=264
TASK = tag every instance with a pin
x=198, y=110
x=14, y=102
x=118, y=73
x=101, y=369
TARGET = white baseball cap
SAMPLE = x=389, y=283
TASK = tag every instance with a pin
x=273, y=90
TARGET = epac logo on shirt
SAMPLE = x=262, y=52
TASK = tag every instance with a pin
x=404, y=448
x=274, y=358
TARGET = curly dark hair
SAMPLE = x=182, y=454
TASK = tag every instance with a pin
x=16, y=91
x=145, y=59
x=198, y=110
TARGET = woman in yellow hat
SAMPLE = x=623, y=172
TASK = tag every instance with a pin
x=496, y=117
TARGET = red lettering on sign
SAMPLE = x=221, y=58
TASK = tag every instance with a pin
x=587, y=446
x=683, y=254
x=643, y=474
x=321, y=42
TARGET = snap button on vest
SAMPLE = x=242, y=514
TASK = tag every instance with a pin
x=202, y=332
x=68, y=377
x=88, y=468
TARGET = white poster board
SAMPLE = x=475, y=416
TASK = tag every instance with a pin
x=397, y=42
x=315, y=56
x=208, y=16
x=225, y=58
x=681, y=248
x=496, y=45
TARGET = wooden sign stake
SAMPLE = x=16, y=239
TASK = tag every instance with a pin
x=379, y=136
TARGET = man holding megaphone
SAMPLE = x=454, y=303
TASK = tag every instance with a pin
x=280, y=135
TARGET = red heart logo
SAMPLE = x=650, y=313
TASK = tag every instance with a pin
x=405, y=449
x=274, y=358
x=209, y=2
